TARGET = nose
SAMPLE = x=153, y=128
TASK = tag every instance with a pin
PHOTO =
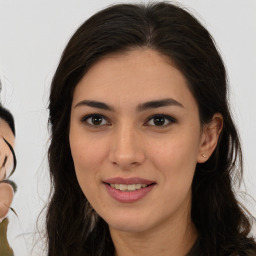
x=126, y=148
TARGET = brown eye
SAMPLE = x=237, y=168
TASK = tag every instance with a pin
x=160, y=120
x=95, y=120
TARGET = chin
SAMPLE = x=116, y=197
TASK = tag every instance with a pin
x=130, y=228
x=128, y=223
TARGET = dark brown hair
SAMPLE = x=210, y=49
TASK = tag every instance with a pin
x=73, y=227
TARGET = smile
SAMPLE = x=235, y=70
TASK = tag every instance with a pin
x=130, y=187
x=128, y=190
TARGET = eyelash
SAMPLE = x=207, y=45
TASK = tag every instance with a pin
x=87, y=117
x=169, y=119
x=166, y=117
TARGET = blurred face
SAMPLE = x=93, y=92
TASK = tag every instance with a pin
x=135, y=138
x=6, y=156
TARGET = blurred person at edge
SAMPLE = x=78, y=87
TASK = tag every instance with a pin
x=7, y=167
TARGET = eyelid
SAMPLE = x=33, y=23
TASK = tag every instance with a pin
x=169, y=118
x=85, y=118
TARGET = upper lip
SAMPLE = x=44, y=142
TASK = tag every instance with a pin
x=128, y=181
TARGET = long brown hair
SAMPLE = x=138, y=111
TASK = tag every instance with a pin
x=73, y=227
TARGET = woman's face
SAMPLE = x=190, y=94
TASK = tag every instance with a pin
x=135, y=138
x=6, y=157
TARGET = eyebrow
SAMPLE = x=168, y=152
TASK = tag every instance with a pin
x=158, y=104
x=141, y=107
x=94, y=104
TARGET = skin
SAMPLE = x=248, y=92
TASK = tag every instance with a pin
x=6, y=190
x=129, y=144
x=6, y=197
x=5, y=132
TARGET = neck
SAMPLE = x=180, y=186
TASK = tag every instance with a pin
x=173, y=238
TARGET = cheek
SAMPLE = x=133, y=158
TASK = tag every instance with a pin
x=176, y=159
x=88, y=156
x=175, y=150
x=2, y=173
x=87, y=151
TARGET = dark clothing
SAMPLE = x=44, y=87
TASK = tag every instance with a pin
x=5, y=249
x=195, y=250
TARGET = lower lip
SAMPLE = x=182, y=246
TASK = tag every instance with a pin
x=128, y=196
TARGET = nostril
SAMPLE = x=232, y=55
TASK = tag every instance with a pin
x=126, y=157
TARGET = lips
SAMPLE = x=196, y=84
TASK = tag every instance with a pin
x=128, y=190
x=130, y=187
x=128, y=181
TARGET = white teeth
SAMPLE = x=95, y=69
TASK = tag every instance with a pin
x=123, y=187
x=130, y=187
x=138, y=186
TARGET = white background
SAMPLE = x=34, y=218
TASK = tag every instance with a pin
x=33, y=34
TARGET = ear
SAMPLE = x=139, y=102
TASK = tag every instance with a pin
x=209, y=138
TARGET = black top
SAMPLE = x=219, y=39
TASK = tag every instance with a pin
x=195, y=250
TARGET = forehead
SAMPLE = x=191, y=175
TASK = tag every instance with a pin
x=6, y=132
x=134, y=76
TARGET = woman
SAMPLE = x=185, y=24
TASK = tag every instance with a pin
x=144, y=152
x=7, y=167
